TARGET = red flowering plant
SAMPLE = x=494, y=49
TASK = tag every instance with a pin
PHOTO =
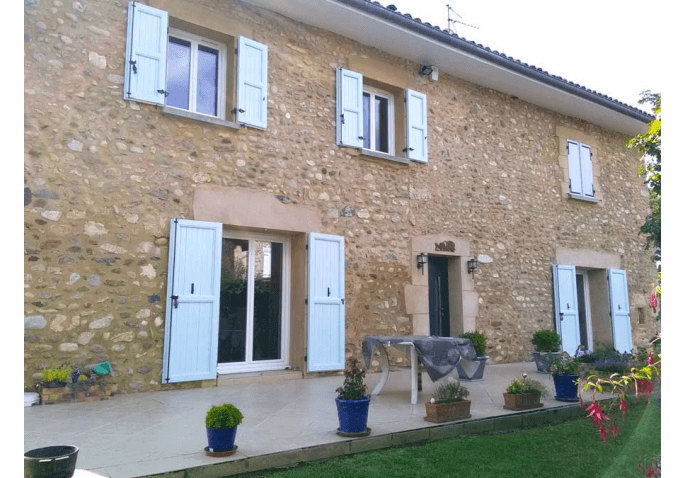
x=639, y=379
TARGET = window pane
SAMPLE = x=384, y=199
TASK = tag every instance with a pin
x=178, y=72
x=267, y=310
x=381, y=110
x=208, y=66
x=366, y=142
x=233, y=301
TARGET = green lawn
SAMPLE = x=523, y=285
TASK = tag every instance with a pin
x=568, y=450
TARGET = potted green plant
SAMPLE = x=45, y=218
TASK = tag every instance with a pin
x=352, y=402
x=56, y=377
x=524, y=394
x=448, y=403
x=546, y=345
x=565, y=376
x=474, y=369
x=222, y=422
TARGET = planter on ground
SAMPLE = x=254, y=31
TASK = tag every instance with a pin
x=522, y=401
x=51, y=462
x=221, y=422
x=447, y=412
x=565, y=387
x=353, y=414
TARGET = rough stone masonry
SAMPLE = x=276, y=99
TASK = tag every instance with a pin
x=103, y=176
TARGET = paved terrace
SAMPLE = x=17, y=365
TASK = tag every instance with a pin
x=286, y=421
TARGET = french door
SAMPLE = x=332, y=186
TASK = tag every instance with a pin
x=253, y=303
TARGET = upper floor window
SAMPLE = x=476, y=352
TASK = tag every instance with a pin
x=184, y=71
x=365, y=118
x=580, y=169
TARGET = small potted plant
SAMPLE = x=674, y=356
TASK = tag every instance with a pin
x=352, y=402
x=524, y=394
x=56, y=377
x=222, y=422
x=546, y=344
x=474, y=369
x=448, y=402
x=565, y=376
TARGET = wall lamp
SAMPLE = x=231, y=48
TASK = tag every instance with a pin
x=429, y=70
x=471, y=266
x=422, y=259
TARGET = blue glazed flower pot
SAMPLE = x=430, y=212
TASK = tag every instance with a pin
x=352, y=414
x=221, y=439
x=565, y=388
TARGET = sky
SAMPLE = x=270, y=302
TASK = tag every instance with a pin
x=599, y=44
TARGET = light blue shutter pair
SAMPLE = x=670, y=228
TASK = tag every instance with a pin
x=191, y=332
x=567, y=311
x=580, y=169
x=146, y=65
x=350, y=116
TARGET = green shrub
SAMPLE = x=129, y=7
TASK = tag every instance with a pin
x=527, y=385
x=563, y=365
x=56, y=374
x=353, y=385
x=478, y=342
x=223, y=416
x=546, y=341
x=449, y=391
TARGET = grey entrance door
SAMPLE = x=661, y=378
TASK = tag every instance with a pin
x=439, y=313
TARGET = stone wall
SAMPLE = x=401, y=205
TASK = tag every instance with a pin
x=103, y=176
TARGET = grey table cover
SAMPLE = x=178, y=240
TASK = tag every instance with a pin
x=439, y=355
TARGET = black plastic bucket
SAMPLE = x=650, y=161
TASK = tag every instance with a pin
x=51, y=462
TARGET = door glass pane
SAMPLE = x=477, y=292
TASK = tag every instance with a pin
x=208, y=66
x=366, y=142
x=581, y=294
x=268, y=292
x=233, y=301
x=178, y=72
x=381, y=126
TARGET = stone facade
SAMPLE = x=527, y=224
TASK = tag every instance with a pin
x=103, y=176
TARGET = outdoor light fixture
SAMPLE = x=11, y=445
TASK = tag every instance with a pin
x=426, y=70
x=471, y=266
x=422, y=258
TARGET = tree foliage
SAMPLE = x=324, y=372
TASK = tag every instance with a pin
x=650, y=144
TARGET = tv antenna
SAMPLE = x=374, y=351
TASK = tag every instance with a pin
x=451, y=21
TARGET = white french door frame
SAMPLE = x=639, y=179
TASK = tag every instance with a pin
x=249, y=365
x=587, y=305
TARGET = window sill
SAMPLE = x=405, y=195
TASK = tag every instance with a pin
x=167, y=110
x=378, y=155
x=578, y=197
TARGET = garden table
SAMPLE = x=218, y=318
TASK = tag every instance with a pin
x=438, y=355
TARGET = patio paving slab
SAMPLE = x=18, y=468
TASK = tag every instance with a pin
x=286, y=422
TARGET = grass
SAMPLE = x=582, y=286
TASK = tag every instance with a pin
x=571, y=449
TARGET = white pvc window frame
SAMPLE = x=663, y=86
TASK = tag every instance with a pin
x=195, y=41
x=250, y=365
x=373, y=93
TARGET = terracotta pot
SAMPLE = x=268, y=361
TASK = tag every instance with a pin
x=447, y=412
x=522, y=401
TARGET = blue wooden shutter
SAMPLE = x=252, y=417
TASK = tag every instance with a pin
x=326, y=303
x=417, y=130
x=146, y=54
x=619, y=310
x=192, y=316
x=566, y=307
x=574, y=165
x=586, y=167
x=349, y=115
x=251, y=91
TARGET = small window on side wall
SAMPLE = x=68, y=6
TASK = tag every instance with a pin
x=580, y=169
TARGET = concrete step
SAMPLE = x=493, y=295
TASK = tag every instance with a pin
x=258, y=377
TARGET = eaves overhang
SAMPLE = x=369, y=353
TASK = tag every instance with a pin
x=403, y=36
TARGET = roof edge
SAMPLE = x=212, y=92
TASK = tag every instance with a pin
x=435, y=33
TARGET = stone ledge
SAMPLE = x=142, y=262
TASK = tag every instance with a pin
x=579, y=197
x=199, y=117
